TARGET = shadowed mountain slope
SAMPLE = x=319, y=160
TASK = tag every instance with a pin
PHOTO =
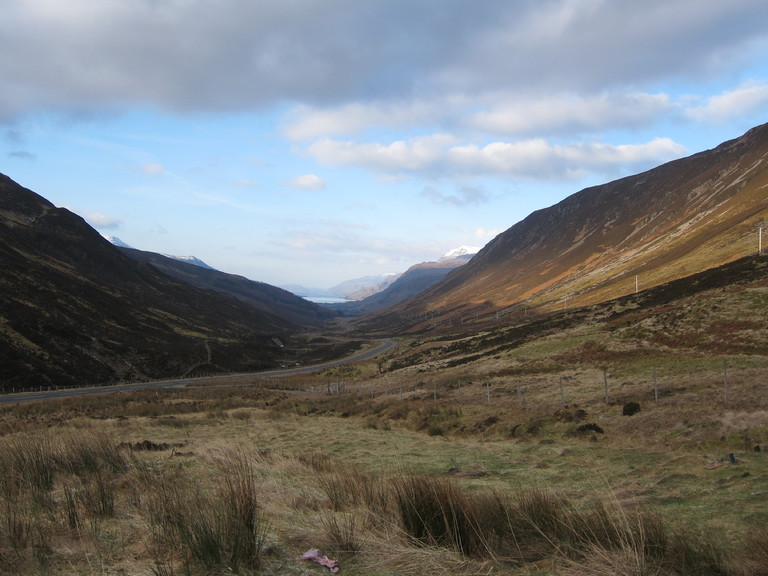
x=259, y=295
x=410, y=283
x=74, y=309
x=607, y=241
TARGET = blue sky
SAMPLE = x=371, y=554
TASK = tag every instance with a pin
x=310, y=142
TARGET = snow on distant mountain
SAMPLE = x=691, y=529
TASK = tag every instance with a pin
x=116, y=241
x=362, y=288
x=460, y=252
x=191, y=260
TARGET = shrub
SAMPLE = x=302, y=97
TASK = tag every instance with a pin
x=630, y=409
x=590, y=427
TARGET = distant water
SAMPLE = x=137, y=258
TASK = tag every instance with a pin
x=325, y=299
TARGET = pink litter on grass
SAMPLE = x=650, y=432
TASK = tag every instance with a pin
x=316, y=556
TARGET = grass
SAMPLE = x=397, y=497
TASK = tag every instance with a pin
x=250, y=494
x=493, y=452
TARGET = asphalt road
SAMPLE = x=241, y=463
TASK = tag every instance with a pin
x=20, y=397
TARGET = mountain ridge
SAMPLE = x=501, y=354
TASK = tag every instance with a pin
x=606, y=241
x=413, y=281
x=260, y=295
x=74, y=309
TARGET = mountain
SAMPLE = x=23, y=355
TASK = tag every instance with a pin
x=259, y=295
x=115, y=241
x=607, y=241
x=361, y=288
x=461, y=252
x=407, y=285
x=74, y=309
x=370, y=289
x=194, y=261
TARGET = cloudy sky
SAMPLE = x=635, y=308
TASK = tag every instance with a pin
x=314, y=141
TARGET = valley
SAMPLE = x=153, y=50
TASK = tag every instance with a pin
x=591, y=402
x=648, y=412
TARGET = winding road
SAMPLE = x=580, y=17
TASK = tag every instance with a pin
x=16, y=398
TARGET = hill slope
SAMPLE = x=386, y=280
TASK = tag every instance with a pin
x=606, y=241
x=259, y=295
x=75, y=310
x=413, y=281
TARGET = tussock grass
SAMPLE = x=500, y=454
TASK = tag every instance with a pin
x=456, y=453
x=532, y=525
x=246, y=510
x=343, y=531
x=51, y=485
x=261, y=474
x=756, y=562
x=436, y=513
x=221, y=528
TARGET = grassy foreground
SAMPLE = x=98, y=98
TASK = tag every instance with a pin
x=245, y=480
x=628, y=438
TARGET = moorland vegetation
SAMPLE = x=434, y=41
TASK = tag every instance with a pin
x=628, y=437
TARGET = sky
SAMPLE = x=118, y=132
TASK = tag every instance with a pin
x=310, y=142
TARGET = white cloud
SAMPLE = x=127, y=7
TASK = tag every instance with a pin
x=235, y=55
x=537, y=158
x=102, y=221
x=534, y=158
x=486, y=235
x=463, y=196
x=504, y=113
x=153, y=169
x=307, y=182
x=21, y=155
x=327, y=240
x=570, y=113
x=731, y=104
x=305, y=122
x=415, y=154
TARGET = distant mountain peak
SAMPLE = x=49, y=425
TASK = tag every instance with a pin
x=190, y=260
x=460, y=251
x=114, y=240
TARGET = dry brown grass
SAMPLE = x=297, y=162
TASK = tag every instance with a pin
x=250, y=489
x=474, y=455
